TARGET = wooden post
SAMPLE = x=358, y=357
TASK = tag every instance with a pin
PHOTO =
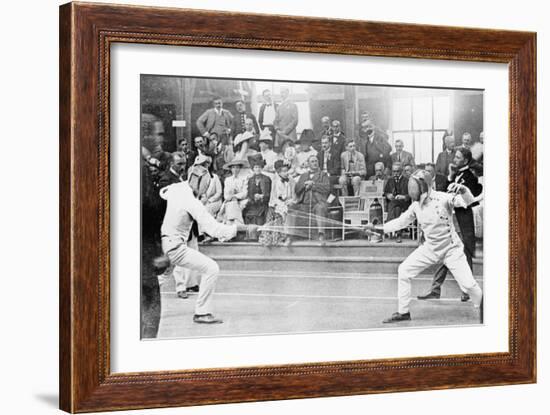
x=188, y=94
x=350, y=94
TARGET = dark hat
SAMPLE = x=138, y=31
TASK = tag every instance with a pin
x=279, y=164
x=256, y=160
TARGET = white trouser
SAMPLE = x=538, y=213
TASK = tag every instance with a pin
x=186, y=257
x=185, y=277
x=422, y=258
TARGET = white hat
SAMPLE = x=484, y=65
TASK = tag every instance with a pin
x=265, y=135
x=236, y=162
x=241, y=138
x=201, y=158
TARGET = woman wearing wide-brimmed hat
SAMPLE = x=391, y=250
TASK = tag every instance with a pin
x=281, y=197
x=235, y=192
x=198, y=175
x=259, y=190
x=305, y=151
x=268, y=155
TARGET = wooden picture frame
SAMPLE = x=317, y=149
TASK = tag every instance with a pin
x=86, y=33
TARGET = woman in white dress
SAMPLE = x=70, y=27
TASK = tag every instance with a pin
x=235, y=193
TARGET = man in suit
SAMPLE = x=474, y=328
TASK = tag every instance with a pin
x=267, y=113
x=326, y=130
x=379, y=173
x=461, y=174
x=312, y=191
x=439, y=181
x=372, y=142
x=446, y=156
x=353, y=169
x=286, y=119
x=239, y=120
x=402, y=156
x=216, y=120
x=329, y=160
x=397, y=194
x=338, y=137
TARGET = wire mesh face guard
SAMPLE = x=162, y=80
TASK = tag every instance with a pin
x=419, y=183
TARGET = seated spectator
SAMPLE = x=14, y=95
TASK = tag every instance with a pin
x=439, y=181
x=212, y=199
x=198, y=175
x=266, y=150
x=379, y=172
x=282, y=196
x=242, y=150
x=175, y=170
x=259, y=191
x=305, y=151
x=407, y=171
x=402, y=156
x=183, y=147
x=249, y=127
x=288, y=155
x=467, y=140
x=329, y=160
x=397, y=193
x=353, y=169
x=312, y=191
x=216, y=150
x=235, y=193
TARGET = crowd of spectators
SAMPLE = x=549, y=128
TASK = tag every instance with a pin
x=256, y=171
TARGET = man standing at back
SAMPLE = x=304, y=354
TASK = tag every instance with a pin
x=446, y=156
x=215, y=120
x=268, y=111
x=286, y=119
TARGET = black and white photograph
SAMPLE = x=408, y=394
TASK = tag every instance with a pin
x=278, y=207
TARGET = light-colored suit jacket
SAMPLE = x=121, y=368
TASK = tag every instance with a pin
x=208, y=120
x=286, y=119
x=358, y=166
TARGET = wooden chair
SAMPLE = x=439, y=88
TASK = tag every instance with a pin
x=353, y=213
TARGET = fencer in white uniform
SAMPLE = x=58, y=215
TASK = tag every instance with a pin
x=182, y=208
x=433, y=210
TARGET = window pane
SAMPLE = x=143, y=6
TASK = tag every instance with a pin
x=407, y=140
x=423, y=147
x=438, y=142
x=422, y=113
x=401, y=114
x=441, y=112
